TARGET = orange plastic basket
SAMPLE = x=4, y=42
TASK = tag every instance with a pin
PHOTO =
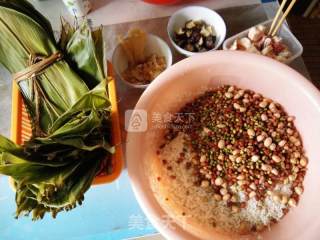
x=21, y=127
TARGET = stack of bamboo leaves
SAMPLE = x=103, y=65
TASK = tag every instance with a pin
x=64, y=90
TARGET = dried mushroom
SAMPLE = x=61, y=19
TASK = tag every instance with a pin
x=195, y=36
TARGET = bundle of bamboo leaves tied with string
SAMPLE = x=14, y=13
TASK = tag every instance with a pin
x=64, y=90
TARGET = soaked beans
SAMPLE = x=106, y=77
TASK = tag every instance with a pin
x=241, y=141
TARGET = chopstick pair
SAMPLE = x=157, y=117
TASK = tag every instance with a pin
x=275, y=26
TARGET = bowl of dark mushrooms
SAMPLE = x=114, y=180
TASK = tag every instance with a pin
x=195, y=30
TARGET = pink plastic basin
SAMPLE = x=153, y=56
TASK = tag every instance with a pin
x=188, y=78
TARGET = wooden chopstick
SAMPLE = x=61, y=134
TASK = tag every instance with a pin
x=277, y=16
x=283, y=17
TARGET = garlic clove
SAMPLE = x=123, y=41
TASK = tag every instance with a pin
x=244, y=43
x=234, y=45
x=255, y=34
x=262, y=28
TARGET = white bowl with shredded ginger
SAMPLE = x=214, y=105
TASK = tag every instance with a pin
x=182, y=83
x=154, y=45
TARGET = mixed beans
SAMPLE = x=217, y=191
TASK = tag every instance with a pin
x=240, y=142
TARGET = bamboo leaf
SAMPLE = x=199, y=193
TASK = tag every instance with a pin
x=60, y=86
x=68, y=106
x=82, y=51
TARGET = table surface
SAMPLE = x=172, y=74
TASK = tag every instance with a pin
x=109, y=211
x=106, y=12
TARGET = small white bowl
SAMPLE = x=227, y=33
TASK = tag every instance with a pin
x=154, y=45
x=289, y=39
x=179, y=18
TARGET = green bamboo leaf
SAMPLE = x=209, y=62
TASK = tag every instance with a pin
x=84, y=177
x=94, y=99
x=71, y=123
x=82, y=51
x=97, y=36
x=58, y=87
x=8, y=145
x=25, y=7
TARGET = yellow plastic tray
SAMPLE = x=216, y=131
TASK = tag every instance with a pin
x=21, y=127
